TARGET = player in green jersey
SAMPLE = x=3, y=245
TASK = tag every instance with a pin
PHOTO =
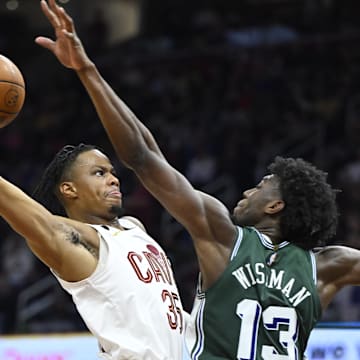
x=262, y=288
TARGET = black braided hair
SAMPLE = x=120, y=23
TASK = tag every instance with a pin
x=310, y=216
x=46, y=191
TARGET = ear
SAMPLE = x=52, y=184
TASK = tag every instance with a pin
x=275, y=206
x=67, y=190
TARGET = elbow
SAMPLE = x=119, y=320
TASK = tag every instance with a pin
x=136, y=160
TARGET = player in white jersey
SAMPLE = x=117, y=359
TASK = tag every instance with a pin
x=132, y=275
x=120, y=279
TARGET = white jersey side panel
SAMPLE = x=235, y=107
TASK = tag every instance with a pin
x=131, y=302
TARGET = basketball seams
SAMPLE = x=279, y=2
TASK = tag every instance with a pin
x=12, y=83
x=12, y=91
x=8, y=112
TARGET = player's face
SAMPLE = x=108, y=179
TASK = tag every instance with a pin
x=252, y=209
x=95, y=185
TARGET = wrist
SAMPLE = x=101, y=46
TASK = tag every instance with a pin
x=88, y=66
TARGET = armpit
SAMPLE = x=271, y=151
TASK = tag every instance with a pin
x=74, y=237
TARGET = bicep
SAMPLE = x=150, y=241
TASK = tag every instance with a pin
x=339, y=265
x=65, y=250
x=351, y=268
x=47, y=235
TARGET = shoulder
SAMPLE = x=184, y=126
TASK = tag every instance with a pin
x=337, y=266
x=330, y=257
x=335, y=253
x=334, y=261
x=133, y=221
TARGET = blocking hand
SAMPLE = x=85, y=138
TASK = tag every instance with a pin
x=67, y=46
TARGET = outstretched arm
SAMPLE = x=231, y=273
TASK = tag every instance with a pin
x=337, y=266
x=206, y=218
x=51, y=238
x=70, y=52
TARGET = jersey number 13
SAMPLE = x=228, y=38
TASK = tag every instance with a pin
x=250, y=312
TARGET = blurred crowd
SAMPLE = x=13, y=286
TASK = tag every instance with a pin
x=222, y=104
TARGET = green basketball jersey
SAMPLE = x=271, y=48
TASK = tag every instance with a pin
x=263, y=306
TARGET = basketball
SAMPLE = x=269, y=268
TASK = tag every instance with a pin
x=12, y=91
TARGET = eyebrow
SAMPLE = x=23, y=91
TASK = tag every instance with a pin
x=103, y=167
x=109, y=168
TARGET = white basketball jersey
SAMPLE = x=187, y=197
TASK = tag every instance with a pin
x=131, y=302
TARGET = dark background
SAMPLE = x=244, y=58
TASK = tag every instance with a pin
x=224, y=85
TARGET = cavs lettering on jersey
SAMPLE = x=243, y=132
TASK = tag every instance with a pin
x=131, y=302
x=263, y=306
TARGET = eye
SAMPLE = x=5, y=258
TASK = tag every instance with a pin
x=99, y=172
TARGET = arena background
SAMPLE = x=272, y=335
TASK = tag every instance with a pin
x=224, y=85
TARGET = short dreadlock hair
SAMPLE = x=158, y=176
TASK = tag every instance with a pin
x=55, y=173
x=310, y=216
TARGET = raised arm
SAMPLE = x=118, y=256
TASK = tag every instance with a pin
x=52, y=239
x=206, y=218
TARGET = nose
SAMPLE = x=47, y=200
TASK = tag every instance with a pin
x=247, y=193
x=114, y=180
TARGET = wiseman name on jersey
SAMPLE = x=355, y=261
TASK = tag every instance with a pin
x=248, y=277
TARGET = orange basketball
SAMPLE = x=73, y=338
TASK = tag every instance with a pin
x=12, y=91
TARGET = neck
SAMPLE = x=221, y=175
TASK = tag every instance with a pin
x=93, y=219
x=272, y=232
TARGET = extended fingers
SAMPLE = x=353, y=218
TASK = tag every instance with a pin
x=67, y=20
x=50, y=14
x=62, y=17
x=56, y=9
x=45, y=42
